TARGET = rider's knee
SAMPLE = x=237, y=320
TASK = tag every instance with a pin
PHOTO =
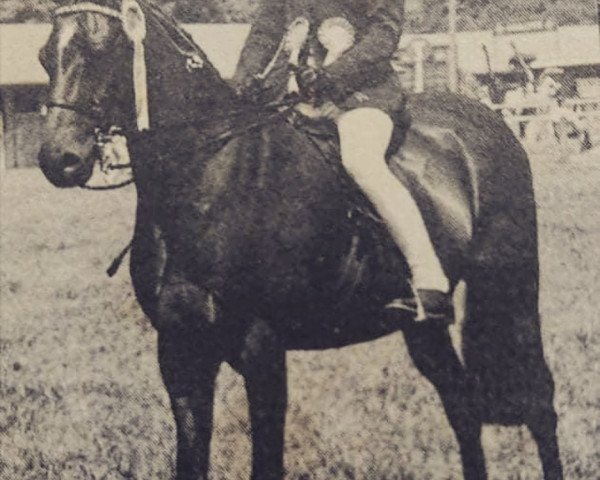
x=365, y=134
x=364, y=127
x=370, y=173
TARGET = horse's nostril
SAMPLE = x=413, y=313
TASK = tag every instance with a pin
x=64, y=170
x=71, y=163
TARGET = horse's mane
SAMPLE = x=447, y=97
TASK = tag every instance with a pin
x=182, y=40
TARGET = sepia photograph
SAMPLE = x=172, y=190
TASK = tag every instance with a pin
x=299, y=239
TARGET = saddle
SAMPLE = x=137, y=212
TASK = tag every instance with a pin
x=433, y=165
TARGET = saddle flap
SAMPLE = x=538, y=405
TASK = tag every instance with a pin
x=439, y=172
x=436, y=168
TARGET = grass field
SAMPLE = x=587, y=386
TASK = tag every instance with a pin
x=81, y=397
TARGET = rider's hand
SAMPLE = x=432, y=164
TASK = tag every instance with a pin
x=251, y=89
x=330, y=88
x=307, y=77
x=319, y=85
x=326, y=110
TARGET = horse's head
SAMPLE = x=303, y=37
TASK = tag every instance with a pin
x=88, y=58
x=116, y=63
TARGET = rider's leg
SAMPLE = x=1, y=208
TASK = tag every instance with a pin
x=365, y=134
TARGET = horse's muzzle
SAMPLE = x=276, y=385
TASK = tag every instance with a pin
x=64, y=170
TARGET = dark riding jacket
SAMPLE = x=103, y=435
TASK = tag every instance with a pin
x=375, y=24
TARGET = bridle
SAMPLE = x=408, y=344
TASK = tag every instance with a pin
x=133, y=22
x=93, y=111
x=136, y=31
x=104, y=134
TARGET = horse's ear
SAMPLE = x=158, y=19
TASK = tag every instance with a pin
x=134, y=21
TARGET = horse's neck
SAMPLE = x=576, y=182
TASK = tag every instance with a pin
x=178, y=166
x=274, y=168
x=180, y=95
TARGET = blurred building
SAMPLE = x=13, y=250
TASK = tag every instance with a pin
x=22, y=88
x=495, y=58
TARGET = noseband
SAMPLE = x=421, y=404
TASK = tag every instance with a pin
x=94, y=112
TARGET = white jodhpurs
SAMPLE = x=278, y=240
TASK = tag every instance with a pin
x=365, y=134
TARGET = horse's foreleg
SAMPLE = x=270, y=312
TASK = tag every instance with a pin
x=190, y=354
x=542, y=424
x=432, y=352
x=189, y=374
x=262, y=363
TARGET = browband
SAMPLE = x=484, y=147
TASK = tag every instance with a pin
x=87, y=7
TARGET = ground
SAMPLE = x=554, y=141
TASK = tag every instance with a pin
x=81, y=397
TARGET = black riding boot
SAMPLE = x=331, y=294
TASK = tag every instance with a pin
x=427, y=305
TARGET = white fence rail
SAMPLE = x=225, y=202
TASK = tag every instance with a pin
x=533, y=121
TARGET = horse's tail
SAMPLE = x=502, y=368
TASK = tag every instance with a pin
x=502, y=344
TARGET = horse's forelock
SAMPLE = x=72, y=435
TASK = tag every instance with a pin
x=167, y=22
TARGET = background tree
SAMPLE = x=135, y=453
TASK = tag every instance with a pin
x=422, y=15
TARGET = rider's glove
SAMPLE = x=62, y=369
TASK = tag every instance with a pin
x=306, y=78
x=319, y=85
x=251, y=89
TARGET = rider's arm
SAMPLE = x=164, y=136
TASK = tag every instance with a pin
x=261, y=44
x=378, y=44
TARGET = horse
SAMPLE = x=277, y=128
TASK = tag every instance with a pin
x=249, y=241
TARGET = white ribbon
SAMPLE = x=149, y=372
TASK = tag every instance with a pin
x=134, y=25
x=292, y=44
x=295, y=38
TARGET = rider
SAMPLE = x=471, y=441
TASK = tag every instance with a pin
x=343, y=49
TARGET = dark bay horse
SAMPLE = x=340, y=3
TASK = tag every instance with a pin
x=247, y=247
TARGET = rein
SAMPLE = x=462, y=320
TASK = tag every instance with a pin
x=104, y=188
x=274, y=110
x=102, y=140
